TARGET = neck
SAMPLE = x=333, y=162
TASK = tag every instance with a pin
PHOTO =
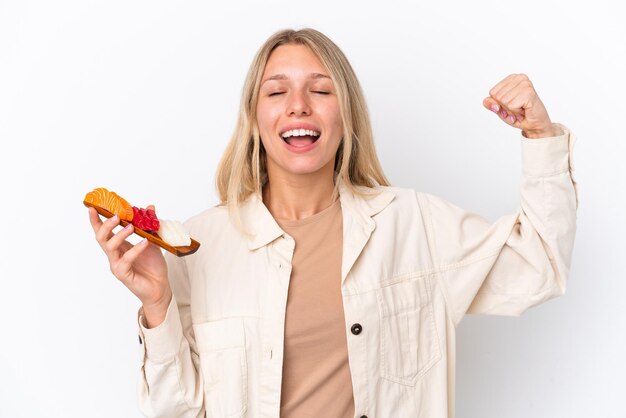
x=298, y=196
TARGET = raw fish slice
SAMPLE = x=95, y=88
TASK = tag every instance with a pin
x=111, y=202
x=145, y=219
x=174, y=233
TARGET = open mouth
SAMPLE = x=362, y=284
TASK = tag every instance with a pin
x=300, y=138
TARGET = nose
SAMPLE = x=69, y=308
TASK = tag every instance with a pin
x=298, y=104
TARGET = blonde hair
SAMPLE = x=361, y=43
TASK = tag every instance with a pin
x=242, y=169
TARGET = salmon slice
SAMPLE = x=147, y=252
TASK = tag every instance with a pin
x=111, y=202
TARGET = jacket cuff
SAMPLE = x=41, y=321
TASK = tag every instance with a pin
x=161, y=343
x=543, y=157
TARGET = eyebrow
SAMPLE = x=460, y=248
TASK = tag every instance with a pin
x=313, y=76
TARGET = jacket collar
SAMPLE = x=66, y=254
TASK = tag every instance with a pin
x=357, y=212
x=358, y=225
x=258, y=223
x=373, y=200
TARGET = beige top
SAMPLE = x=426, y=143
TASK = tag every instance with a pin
x=316, y=376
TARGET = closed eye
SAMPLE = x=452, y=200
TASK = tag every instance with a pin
x=276, y=93
x=321, y=92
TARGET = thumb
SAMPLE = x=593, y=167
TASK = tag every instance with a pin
x=151, y=207
x=490, y=104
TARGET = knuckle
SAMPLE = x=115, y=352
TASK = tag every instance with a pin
x=108, y=246
x=103, y=244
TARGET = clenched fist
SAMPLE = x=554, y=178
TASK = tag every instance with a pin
x=515, y=100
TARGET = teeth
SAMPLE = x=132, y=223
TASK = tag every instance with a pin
x=300, y=132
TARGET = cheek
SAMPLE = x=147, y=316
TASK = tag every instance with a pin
x=262, y=123
x=336, y=123
x=266, y=118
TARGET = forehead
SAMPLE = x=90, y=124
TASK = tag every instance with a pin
x=293, y=60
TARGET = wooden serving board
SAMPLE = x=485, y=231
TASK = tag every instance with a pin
x=151, y=236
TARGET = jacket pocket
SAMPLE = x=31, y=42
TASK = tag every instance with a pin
x=408, y=334
x=222, y=350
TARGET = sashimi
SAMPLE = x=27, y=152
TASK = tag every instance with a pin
x=169, y=235
x=145, y=219
x=110, y=201
x=174, y=233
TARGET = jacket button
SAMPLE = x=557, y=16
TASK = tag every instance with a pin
x=356, y=330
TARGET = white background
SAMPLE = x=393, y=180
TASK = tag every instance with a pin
x=141, y=97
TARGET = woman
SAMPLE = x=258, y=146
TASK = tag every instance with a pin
x=320, y=290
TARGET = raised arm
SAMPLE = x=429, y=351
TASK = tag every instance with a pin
x=522, y=259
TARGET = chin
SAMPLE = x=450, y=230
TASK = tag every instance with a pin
x=303, y=170
x=306, y=167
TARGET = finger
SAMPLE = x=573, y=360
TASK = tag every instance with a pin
x=512, y=117
x=491, y=104
x=116, y=241
x=508, y=116
x=496, y=96
x=94, y=219
x=106, y=230
x=519, y=101
x=151, y=207
x=514, y=98
x=124, y=266
x=521, y=96
x=504, y=114
x=508, y=92
x=495, y=89
x=518, y=95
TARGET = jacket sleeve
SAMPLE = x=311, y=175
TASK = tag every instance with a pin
x=170, y=383
x=520, y=260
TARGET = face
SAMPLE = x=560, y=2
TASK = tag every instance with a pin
x=298, y=114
